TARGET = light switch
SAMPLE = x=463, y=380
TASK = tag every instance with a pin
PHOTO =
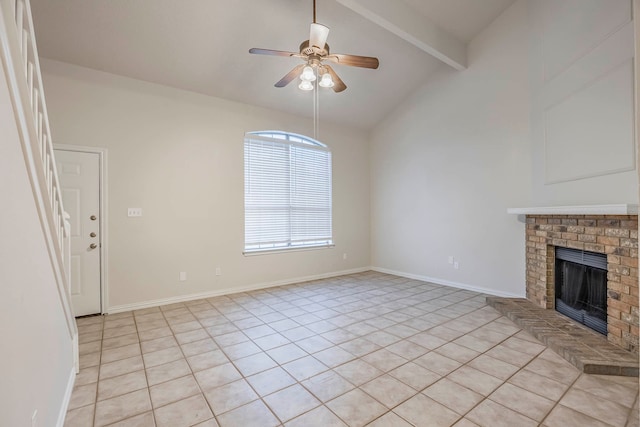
x=134, y=212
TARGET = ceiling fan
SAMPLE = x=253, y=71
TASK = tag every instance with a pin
x=314, y=52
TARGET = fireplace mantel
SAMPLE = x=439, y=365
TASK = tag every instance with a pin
x=617, y=209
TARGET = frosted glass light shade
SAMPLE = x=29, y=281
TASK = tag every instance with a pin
x=318, y=36
x=305, y=85
x=326, y=80
x=307, y=74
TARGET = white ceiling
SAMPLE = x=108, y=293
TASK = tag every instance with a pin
x=202, y=46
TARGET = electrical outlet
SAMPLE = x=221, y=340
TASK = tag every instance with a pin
x=183, y=276
x=134, y=212
x=451, y=259
x=344, y=256
x=218, y=271
x=456, y=265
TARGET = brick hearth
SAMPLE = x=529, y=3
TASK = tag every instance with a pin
x=586, y=349
x=613, y=235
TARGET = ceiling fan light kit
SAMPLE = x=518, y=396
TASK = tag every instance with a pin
x=326, y=81
x=308, y=75
x=305, y=85
x=313, y=52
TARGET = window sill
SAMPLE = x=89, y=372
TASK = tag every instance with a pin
x=286, y=250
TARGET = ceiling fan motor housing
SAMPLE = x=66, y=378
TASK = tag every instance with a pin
x=305, y=49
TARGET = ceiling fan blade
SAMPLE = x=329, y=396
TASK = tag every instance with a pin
x=291, y=75
x=259, y=51
x=338, y=84
x=354, y=60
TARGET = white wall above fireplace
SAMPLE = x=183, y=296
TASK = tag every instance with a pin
x=615, y=209
x=582, y=113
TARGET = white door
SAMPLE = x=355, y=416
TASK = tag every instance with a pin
x=79, y=174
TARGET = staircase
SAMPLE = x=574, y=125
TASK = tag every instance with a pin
x=19, y=57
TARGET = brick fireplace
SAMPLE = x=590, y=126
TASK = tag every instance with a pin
x=613, y=235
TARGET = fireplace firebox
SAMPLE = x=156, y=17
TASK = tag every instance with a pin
x=581, y=287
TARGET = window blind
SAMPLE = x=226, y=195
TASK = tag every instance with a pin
x=287, y=193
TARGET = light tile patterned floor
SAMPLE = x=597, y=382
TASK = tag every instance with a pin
x=364, y=349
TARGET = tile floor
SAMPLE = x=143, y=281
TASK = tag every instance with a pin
x=364, y=349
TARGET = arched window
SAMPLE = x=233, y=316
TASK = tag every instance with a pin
x=287, y=192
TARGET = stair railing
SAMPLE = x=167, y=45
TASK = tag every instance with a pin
x=20, y=57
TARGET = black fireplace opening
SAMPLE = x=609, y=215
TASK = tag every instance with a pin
x=581, y=287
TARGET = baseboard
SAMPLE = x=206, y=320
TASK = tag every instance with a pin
x=67, y=398
x=449, y=283
x=76, y=352
x=190, y=297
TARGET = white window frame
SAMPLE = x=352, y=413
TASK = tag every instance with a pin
x=290, y=141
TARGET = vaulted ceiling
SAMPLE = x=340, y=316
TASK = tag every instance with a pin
x=202, y=45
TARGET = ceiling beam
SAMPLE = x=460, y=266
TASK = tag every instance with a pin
x=406, y=23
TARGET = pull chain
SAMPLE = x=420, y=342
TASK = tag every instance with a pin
x=316, y=96
x=316, y=110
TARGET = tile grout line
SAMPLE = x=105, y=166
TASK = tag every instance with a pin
x=411, y=361
x=144, y=369
x=95, y=405
x=215, y=417
x=462, y=365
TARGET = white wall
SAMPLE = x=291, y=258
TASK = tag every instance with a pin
x=179, y=156
x=583, y=143
x=37, y=354
x=450, y=161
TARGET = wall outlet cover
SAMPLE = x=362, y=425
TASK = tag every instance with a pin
x=134, y=212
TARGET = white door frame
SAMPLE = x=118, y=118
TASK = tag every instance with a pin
x=102, y=154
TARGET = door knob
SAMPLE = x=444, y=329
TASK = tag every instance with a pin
x=93, y=246
x=92, y=235
x=93, y=218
